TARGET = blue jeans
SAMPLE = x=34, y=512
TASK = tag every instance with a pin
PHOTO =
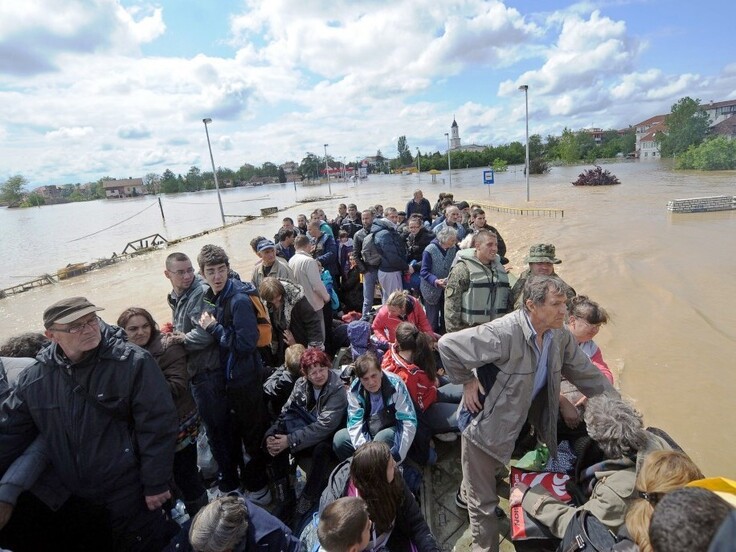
x=433, y=315
x=343, y=446
x=369, y=289
x=208, y=390
x=441, y=416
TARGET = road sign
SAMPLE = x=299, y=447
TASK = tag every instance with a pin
x=488, y=177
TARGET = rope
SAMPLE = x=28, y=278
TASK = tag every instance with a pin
x=116, y=224
x=214, y=203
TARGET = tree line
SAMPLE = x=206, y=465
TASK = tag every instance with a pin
x=687, y=138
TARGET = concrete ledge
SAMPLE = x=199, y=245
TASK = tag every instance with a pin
x=702, y=204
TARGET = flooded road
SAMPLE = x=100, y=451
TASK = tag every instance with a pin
x=666, y=279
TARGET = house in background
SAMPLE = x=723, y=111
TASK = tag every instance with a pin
x=49, y=192
x=722, y=116
x=132, y=187
x=595, y=133
x=647, y=146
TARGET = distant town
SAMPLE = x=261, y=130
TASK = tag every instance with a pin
x=688, y=124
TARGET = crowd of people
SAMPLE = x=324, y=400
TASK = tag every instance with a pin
x=356, y=345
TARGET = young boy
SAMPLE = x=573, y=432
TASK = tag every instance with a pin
x=234, y=327
x=344, y=526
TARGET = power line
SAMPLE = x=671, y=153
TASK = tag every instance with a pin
x=114, y=225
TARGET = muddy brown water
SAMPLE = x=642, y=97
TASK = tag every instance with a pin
x=668, y=280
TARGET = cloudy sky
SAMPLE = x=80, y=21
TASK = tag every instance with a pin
x=90, y=88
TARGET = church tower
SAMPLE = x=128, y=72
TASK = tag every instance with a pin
x=454, y=135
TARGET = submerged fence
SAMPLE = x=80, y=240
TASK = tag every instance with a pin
x=524, y=211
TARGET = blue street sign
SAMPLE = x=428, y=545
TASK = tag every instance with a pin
x=488, y=177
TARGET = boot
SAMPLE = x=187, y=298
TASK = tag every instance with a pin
x=193, y=506
x=285, y=499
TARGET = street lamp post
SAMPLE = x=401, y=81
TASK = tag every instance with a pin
x=214, y=170
x=419, y=165
x=525, y=88
x=329, y=186
x=449, y=164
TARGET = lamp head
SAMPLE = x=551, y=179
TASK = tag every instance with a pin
x=207, y=121
x=524, y=87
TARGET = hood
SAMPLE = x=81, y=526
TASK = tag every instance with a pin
x=294, y=292
x=359, y=332
x=382, y=224
x=234, y=286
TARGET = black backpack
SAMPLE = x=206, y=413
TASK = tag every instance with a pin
x=586, y=532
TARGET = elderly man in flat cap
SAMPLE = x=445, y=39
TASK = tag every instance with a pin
x=108, y=420
x=542, y=262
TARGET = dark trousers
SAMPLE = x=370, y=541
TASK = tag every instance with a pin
x=248, y=418
x=186, y=473
x=78, y=526
x=135, y=528
x=322, y=460
x=208, y=390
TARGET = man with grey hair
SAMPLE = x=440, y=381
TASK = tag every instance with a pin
x=107, y=419
x=453, y=219
x=519, y=360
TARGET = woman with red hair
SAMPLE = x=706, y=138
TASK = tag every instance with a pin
x=313, y=413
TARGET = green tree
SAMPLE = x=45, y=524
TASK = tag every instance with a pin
x=11, y=192
x=33, y=200
x=500, y=165
x=567, y=147
x=193, y=181
x=687, y=125
x=405, y=157
x=282, y=175
x=309, y=166
x=169, y=183
x=269, y=169
x=152, y=183
x=716, y=154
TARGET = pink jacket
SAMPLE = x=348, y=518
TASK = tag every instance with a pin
x=384, y=325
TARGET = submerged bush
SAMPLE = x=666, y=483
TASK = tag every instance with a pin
x=596, y=177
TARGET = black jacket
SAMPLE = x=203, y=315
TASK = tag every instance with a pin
x=409, y=524
x=416, y=244
x=124, y=440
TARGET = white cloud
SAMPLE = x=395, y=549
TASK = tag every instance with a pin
x=33, y=35
x=133, y=132
x=69, y=132
x=354, y=75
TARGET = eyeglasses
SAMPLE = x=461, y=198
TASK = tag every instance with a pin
x=182, y=273
x=78, y=328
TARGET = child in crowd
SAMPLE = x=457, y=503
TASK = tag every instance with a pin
x=352, y=287
x=344, y=249
x=278, y=386
x=344, y=526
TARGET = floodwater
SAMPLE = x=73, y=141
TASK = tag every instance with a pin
x=666, y=279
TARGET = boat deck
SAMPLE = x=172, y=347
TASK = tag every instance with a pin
x=448, y=522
